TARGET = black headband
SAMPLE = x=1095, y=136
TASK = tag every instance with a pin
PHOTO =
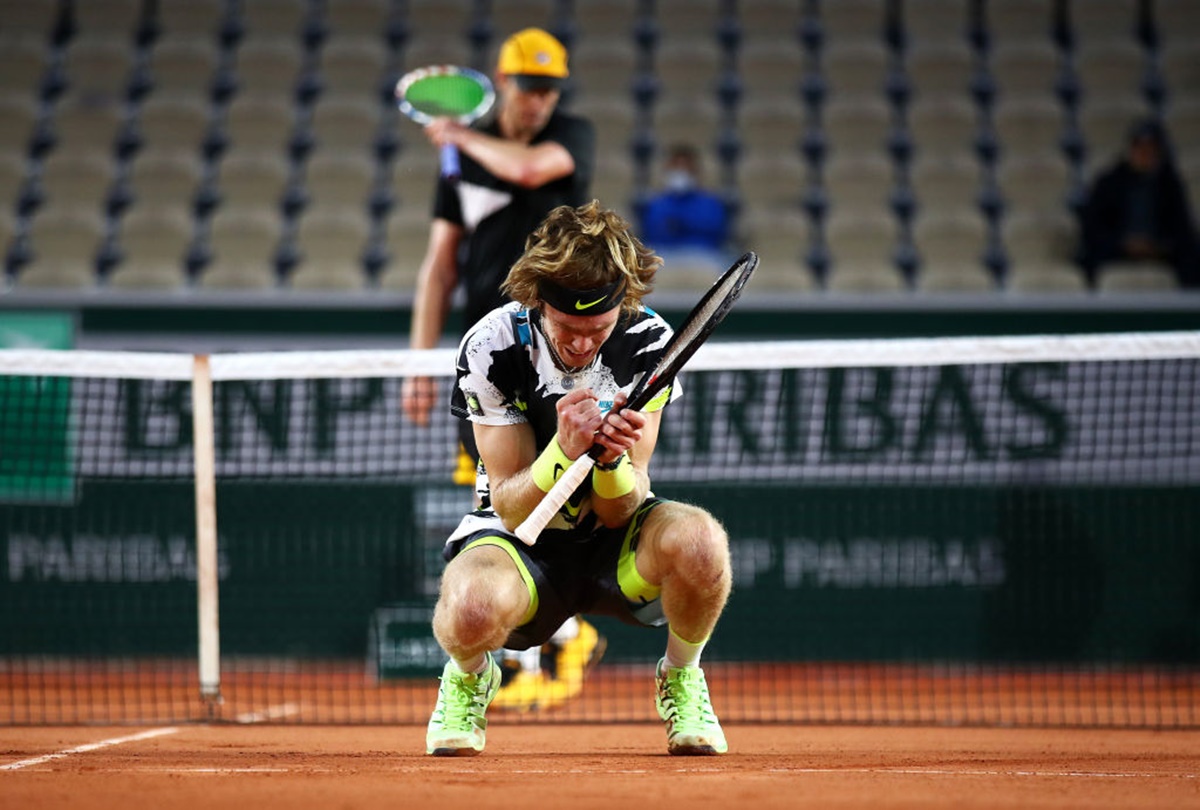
x=582, y=302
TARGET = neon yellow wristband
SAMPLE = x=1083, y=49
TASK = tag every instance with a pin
x=614, y=483
x=547, y=467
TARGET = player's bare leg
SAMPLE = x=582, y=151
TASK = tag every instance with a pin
x=686, y=552
x=482, y=598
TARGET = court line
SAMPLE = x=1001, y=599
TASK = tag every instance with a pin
x=873, y=771
x=83, y=749
x=220, y=771
x=976, y=772
x=426, y=771
x=270, y=713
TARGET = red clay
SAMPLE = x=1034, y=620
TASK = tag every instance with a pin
x=600, y=766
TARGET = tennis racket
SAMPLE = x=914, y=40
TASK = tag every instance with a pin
x=700, y=323
x=445, y=91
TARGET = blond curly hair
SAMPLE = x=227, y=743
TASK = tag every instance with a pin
x=583, y=248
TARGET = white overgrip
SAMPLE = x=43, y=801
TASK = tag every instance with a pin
x=567, y=483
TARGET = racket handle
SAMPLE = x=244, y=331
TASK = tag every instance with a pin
x=449, y=158
x=553, y=500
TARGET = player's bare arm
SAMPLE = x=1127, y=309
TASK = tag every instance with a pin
x=525, y=165
x=436, y=280
x=506, y=452
x=634, y=434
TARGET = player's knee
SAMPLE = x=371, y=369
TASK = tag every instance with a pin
x=466, y=616
x=700, y=547
x=713, y=550
x=471, y=610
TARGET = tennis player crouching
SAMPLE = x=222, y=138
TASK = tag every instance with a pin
x=536, y=377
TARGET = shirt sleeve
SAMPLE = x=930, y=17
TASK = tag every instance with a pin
x=445, y=202
x=476, y=396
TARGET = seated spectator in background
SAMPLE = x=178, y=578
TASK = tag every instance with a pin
x=1137, y=210
x=686, y=222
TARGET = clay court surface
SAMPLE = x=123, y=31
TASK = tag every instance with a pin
x=260, y=767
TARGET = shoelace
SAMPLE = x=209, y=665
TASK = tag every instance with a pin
x=689, y=702
x=460, y=698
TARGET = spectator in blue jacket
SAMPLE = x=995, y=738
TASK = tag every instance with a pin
x=685, y=221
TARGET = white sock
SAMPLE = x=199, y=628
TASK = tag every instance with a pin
x=681, y=652
x=473, y=666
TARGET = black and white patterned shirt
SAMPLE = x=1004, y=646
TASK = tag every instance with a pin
x=507, y=375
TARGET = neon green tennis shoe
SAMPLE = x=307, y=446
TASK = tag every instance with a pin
x=458, y=726
x=684, y=705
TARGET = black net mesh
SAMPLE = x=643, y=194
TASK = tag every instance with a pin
x=973, y=543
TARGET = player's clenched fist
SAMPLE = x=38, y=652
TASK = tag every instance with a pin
x=579, y=418
x=620, y=430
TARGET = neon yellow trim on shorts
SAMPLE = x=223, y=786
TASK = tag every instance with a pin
x=507, y=547
x=633, y=585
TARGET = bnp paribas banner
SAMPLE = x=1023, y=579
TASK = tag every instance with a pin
x=1022, y=511
x=1112, y=423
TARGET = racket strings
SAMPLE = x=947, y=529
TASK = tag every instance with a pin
x=444, y=95
x=445, y=91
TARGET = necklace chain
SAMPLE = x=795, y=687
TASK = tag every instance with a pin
x=563, y=367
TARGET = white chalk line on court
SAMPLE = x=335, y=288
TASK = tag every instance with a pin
x=270, y=713
x=873, y=771
x=167, y=770
x=83, y=749
x=426, y=771
x=220, y=771
x=977, y=772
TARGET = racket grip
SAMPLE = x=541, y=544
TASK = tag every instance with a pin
x=553, y=500
x=449, y=158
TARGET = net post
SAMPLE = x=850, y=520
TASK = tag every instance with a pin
x=207, y=577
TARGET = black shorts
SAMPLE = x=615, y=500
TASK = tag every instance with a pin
x=573, y=572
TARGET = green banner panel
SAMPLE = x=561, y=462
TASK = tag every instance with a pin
x=40, y=428
x=820, y=573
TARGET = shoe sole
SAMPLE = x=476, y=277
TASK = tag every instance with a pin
x=452, y=752
x=693, y=751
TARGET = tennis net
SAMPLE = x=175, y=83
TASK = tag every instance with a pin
x=964, y=531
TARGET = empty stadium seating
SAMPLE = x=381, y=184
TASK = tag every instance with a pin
x=253, y=144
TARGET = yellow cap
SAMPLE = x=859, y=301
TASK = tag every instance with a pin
x=535, y=58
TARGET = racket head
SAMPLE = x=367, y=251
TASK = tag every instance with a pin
x=704, y=318
x=445, y=91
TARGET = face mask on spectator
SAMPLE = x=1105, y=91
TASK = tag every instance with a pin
x=679, y=181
